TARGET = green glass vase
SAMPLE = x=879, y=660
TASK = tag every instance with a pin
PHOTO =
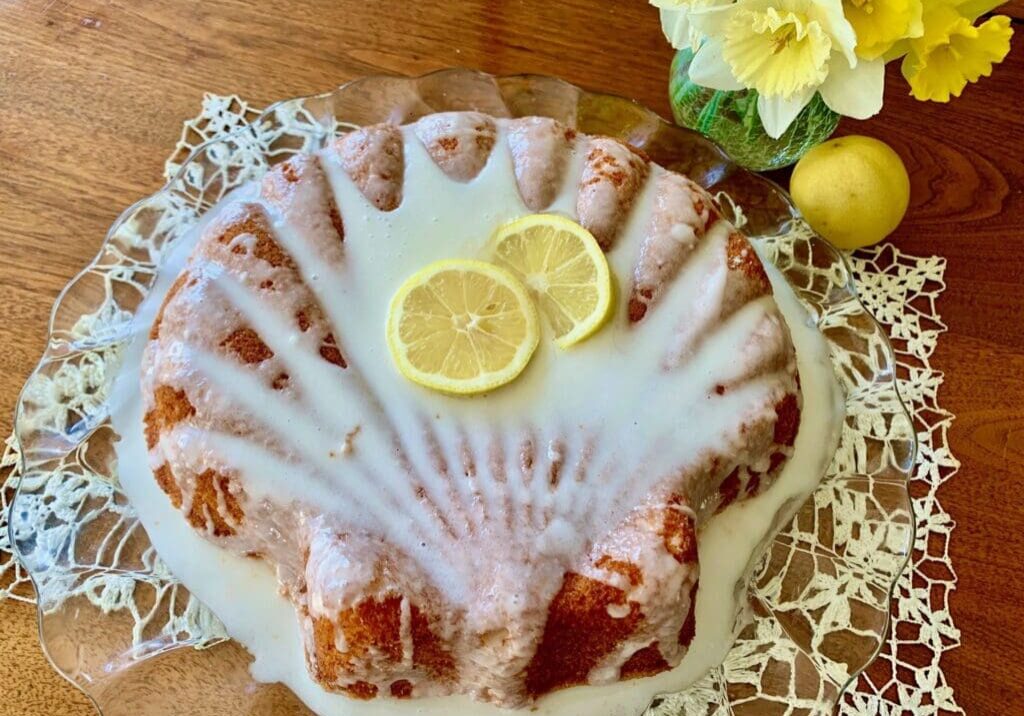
x=731, y=119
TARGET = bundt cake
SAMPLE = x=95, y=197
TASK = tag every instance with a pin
x=500, y=546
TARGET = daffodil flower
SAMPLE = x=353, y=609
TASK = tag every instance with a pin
x=953, y=51
x=789, y=50
x=786, y=50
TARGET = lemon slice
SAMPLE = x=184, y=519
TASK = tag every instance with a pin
x=462, y=326
x=564, y=269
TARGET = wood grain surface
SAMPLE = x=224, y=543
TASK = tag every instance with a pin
x=93, y=93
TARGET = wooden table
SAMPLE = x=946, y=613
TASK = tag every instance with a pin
x=93, y=93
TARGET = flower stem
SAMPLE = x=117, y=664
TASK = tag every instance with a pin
x=709, y=113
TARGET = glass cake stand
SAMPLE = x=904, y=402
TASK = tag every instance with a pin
x=118, y=625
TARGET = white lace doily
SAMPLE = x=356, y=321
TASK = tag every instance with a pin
x=900, y=290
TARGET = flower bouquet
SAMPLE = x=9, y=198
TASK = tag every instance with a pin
x=768, y=79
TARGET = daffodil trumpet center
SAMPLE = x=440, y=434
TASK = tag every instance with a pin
x=776, y=53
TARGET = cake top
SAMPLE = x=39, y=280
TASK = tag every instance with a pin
x=278, y=423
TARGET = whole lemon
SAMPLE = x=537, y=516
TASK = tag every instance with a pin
x=852, y=190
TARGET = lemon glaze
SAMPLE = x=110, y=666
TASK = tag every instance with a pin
x=606, y=380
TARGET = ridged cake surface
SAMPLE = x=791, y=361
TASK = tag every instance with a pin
x=501, y=546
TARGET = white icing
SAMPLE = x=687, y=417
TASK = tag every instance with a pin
x=608, y=410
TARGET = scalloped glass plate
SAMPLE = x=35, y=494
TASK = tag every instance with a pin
x=115, y=622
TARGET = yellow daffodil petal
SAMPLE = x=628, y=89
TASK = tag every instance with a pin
x=953, y=52
x=973, y=9
x=898, y=50
x=879, y=24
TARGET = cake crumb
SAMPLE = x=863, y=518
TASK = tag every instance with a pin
x=348, y=447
